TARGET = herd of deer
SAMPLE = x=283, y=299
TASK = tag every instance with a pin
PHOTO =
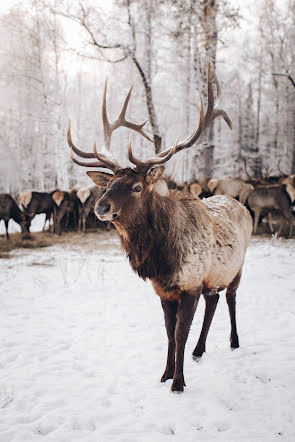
x=186, y=246
x=264, y=196
x=61, y=208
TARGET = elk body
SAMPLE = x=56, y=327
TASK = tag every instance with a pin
x=34, y=203
x=269, y=198
x=65, y=207
x=185, y=246
x=235, y=187
x=10, y=210
x=87, y=197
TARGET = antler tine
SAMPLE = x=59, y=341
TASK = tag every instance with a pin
x=213, y=111
x=85, y=164
x=146, y=165
x=103, y=160
x=107, y=132
x=121, y=121
x=74, y=148
x=111, y=164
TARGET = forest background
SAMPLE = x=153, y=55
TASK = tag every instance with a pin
x=56, y=55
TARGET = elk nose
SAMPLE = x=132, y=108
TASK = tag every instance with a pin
x=102, y=210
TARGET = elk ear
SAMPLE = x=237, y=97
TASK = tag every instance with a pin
x=101, y=179
x=154, y=174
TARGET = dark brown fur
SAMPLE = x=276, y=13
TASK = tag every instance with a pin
x=10, y=210
x=41, y=202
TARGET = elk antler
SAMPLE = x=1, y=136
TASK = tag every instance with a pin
x=145, y=166
x=108, y=129
x=213, y=111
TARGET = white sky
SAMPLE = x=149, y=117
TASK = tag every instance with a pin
x=6, y=4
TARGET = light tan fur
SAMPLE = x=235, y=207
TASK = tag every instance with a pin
x=212, y=184
x=230, y=186
x=220, y=245
x=25, y=199
x=58, y=197
x=291, y=191
x=245, y=192
x=195, y=189
x=83, y=193
x=289, y=180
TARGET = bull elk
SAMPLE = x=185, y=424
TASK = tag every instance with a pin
x=185, y=246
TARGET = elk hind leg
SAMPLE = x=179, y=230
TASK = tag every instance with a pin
x=211, y=304
x=231, y=302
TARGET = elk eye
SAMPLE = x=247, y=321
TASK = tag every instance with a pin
x=137, y=188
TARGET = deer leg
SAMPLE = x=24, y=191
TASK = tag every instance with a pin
x=170, y=310
x=6, y=227
x=289, y=217
x=67, y=220
x=84, y=222
x=256, y=219
x=231, y=302
x=269, y=219
x=211, y=304
x=185, y=313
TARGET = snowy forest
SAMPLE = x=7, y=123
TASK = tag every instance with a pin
x=56, y=56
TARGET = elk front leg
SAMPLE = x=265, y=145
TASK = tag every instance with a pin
x=211, y=304
x=185, y=313
x=170, y=310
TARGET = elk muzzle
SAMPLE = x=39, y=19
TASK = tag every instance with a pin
x=104, y=210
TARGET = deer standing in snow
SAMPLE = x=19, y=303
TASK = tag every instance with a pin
x=185, y=246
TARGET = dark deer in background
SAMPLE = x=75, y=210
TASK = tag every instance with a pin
x=87, y=197
x=266, y=199
x=10, y=210
x=65, y=209
x=34, y=203
x=185, y=246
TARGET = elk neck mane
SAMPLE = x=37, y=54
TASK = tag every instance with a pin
x=155, y=243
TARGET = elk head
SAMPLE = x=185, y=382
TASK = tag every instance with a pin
x=127, y=189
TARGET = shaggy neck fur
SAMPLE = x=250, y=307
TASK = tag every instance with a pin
x=154, y=241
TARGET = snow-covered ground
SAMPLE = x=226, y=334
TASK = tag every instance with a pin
x=83, y=347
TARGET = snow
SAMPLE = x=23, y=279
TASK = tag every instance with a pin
x=84, y=346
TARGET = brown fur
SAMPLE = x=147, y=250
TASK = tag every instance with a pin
x=269, y=198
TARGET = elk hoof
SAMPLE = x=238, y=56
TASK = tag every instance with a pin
x=197, y=358
x=234, y=342
x=177, y=386
x=198, y=352
x=166, y=375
